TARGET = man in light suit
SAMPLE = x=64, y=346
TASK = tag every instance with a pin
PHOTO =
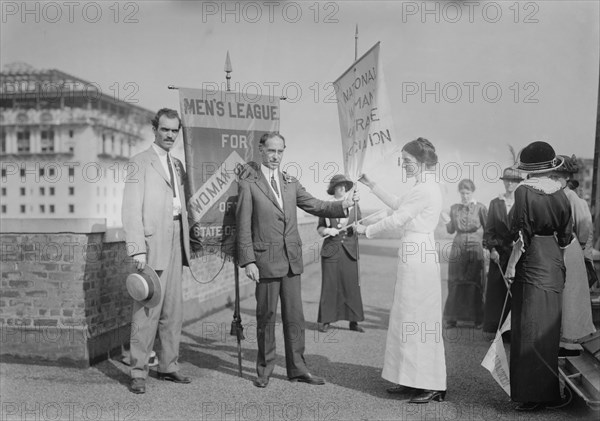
x=156, y=230
x=270, y=250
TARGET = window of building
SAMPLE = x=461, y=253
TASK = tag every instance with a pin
x=22, y=172
x=3, y=208
x=51, y=172
x=51, y=191
x=71, y=148
x=3, y=191
x=42, y=191
x=22, y=208
x=23, y=141
x=71, y=208
x=3, y=172
x=71, y=133
x=22, y=190
x=71, y=171
x=42, y=208
x=51, y=208
x=41, y=171
x=71, y=191
x=47, y=140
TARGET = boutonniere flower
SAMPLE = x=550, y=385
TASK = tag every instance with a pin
x=287, y=178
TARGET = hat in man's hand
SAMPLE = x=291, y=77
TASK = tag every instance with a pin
x=144, y=287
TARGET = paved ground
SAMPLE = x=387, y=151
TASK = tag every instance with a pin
x=351, y=362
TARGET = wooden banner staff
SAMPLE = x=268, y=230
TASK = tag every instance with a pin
x=356, y=185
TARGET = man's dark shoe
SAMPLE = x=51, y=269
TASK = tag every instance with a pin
x=261, y=382
x=308, y=378
x=174, y=377
x=355, y=327
x=138, y=385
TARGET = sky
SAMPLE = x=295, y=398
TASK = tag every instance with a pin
x=472, y=77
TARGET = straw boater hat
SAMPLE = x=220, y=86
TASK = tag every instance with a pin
x=337, y=180
x=538, y=157
x=144, y=287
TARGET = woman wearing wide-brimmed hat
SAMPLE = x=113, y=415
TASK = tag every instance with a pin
x=541, y=227
x=340, y=289
x=577, y=320
x=498, y=241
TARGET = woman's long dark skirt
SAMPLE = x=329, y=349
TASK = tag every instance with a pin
x=340, y=292
x=535, y=323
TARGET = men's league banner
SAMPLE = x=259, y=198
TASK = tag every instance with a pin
x=365, y=118
x=221, y=131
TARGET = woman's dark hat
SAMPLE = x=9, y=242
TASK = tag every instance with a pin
x=144, y=287
x=337, y=180
x=538, y=157
x=512, y=174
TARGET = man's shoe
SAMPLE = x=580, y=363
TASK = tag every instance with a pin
x=401, y=390
x=529, y=406
x=138, y=385
x=261, y=382
x=427, y=396
x=324, y=327
x=355, y=327
x=174, y=377
x=308, y=378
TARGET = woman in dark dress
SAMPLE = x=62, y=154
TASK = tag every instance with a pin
x=465, y=269
x=340, y=289
x=541, y=227
x=497, y=239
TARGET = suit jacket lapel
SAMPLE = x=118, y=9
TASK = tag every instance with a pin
x=158, y=166
x=263, y=184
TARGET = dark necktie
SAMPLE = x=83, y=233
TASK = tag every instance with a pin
x=171, y=174
x=274, y=185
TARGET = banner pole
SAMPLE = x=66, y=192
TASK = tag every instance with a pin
x=356, y=43
x=355, y=233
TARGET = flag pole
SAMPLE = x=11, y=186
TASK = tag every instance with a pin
x=237, y=329
x=356, y=43
x=356, y=187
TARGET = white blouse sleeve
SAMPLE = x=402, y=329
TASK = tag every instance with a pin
x=408, y=208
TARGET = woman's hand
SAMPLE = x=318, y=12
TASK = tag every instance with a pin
x=360, y=229
x=332, y=232
x=364, y=178
x=445, y=217
x=494, y=256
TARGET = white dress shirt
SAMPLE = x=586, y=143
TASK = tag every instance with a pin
x=268, y=172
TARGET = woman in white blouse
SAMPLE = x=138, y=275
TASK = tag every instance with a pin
x=414, y=355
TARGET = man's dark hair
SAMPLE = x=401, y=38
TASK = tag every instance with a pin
x=170, y=113
x=270, y=135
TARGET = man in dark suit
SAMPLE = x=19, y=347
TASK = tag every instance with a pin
x=156, y=230
x=270, y=250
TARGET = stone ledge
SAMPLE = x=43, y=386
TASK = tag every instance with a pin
x=52, y=225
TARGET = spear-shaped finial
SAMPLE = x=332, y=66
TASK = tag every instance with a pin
x=356, y=43
x=228, y=70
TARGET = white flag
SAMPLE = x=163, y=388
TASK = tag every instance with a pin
x=495, y=360
x=365, y=118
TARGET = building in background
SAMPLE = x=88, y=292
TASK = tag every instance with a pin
x=64, y=145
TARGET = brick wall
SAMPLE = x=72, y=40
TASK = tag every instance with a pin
x=63, y=289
